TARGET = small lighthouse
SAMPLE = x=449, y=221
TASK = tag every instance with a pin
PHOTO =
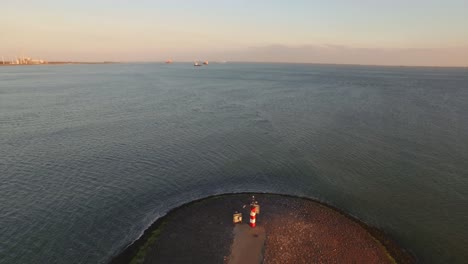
x=254, y=211
x=253, y=216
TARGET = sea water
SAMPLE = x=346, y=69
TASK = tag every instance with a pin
x=90, y=155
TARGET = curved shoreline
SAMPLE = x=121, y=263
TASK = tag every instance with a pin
x=395, y=252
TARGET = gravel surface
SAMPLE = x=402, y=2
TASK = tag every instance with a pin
x=300, y=231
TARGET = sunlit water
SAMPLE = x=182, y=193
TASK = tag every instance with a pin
x=90, y=155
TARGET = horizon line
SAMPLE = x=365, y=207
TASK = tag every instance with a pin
x=52, y=62
x=256, y=62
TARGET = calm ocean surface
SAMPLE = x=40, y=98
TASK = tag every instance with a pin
x=90, y=155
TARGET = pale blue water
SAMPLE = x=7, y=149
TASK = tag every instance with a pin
x=90, y=155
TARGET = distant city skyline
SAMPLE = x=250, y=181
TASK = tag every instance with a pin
x=426, y=33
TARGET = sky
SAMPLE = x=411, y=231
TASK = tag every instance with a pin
x=397, y=32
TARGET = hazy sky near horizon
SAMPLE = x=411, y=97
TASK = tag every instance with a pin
x=394, y=32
